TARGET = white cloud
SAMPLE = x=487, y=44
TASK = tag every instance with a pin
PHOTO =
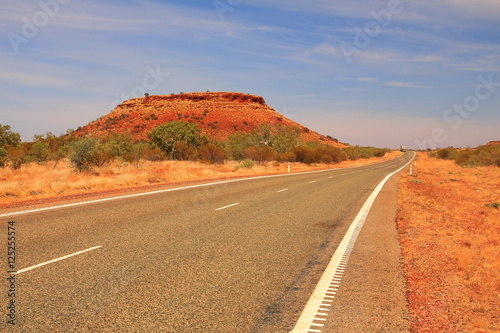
x=405, y=84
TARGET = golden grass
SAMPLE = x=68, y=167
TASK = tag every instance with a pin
x=36, y=181
x=450, y=243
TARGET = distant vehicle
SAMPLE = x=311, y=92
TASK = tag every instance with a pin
x=402, y=148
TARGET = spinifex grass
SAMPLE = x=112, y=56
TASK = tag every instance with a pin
x=450, y=236
x=36, y=181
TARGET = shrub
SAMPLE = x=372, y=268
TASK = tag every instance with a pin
x=212, y=153
x=304, y=154
x=286, y=157
x=40, y=151
x=247, y=163
x=82, y=156
x=259, y=154
x=184, y=151
x=3, y=157
x=176, y=135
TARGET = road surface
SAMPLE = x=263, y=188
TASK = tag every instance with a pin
x=240, y=256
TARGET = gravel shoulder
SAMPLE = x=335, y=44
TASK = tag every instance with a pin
x=372, y=295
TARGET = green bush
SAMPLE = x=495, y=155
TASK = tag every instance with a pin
x=356, y=152
x=247, y=163
x=82, y=155
x=3, y=157
x=40, y=151
x=177, y=135
x=480, y=156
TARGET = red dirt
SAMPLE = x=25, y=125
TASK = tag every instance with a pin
x=492, y=143
x=219, y=115
x=449, y=234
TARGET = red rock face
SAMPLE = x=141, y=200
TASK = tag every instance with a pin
x=492, y=143
x=218, y=114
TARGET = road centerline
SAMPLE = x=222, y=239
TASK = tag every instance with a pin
x=57, y=259
x=283, y=190
x=228, y=206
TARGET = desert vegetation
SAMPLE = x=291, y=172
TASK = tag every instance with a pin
x=176, y=152
x=175, y=140
x=480, y=156
x=450, y=236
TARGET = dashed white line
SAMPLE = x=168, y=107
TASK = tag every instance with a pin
x=55, y=260
x=228, y=206
x=283, y=190
x=314, y=181
x=166, y=190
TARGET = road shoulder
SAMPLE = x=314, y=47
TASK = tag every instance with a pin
x=372, y=295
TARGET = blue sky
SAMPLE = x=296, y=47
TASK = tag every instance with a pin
x=383, y=73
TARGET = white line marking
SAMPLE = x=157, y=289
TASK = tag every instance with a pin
x=169, y=190
x=57, y=259
x=283, y=190
x=315, y=301
x=314, y=181
x=228, y=206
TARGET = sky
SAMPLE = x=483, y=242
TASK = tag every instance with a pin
x=425, y=74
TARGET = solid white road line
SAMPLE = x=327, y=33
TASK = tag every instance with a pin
x=57, y=259
x=315, y=303
x=228, y=206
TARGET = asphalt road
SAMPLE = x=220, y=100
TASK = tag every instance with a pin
x=241, y=256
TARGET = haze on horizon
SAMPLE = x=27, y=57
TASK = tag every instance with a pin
x=382, y=73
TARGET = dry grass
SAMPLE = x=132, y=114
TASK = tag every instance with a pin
x=36, y=181
x=450, y=242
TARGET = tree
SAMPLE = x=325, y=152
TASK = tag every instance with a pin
x=285, y=139
x=137, y=153
x=40, y=151
x=3, y=157
x=176, y=133
x=7, y=137
x=82, y=156
x=237, y=143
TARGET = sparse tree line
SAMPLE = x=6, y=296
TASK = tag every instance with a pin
x=470, y=157
x=175, y=140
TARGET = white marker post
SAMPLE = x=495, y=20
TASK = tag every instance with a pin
x=288, y=167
